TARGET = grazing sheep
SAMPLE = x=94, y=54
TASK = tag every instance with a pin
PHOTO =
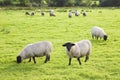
x=52, y=13
x=78, y=50
x=38, y=49
x=32, y=13
x=42, y=13
x=70, y=14
x=77, y=13
x=27, y=13
x=98, y=32
x=84, y=13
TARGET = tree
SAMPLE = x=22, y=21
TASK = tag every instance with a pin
x=7, y=2
x=78, y=2
x=109, y=2
x=24, y=2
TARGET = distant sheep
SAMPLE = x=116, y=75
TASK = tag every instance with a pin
x=98, y=32
x=38, y=49
x=42, y=13
x=32, y=13
x=77, y=13
x=70, y=14
x=78, y=50
x=27, y=13
x=52, y=13
x=84, y=13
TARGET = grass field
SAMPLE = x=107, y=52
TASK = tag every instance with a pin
x=18, y=30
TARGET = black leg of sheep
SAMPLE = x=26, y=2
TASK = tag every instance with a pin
x=34, y=60
x=79, y=61
x=69, y=61
x=29, y=60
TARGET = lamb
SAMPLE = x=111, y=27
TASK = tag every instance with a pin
x=70, y=14
x=78, y=50
x=38, y=49
x=98, y=32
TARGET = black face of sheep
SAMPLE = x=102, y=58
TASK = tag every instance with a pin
x=84, y=14
x=105, y=37
x=68, y=45
x=42, y=13
x=19, y=59
x=27, y=13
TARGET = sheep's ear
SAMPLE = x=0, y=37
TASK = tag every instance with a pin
x=73, y=44
x=64, y=45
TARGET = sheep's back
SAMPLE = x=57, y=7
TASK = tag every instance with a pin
x=84, y=47
x=97, y=31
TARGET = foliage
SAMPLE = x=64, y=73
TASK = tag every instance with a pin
x=109, y=2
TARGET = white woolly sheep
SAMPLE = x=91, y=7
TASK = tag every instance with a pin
x=84, y=13
x=70, y=14
x=52, y=13
x=98, y=32
x=78, y=50
x=77, y=13
x=32, y=13
x=38, y=49
x=27, y=13
x=42, y=13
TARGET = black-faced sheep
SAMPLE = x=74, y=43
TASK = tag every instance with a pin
x=38, y=49
x=32, y=13
x=70, y=14
x=98, y=32
x=42, y=13
x=52, y=13
x=27, y=13
x=84, y=13
x=78, y=50
x=77, y=13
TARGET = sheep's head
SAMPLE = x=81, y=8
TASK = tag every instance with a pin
x=105, y=37
x=19, y=59
x=68, y=45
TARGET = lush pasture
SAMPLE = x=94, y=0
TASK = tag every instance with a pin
x=17, y=30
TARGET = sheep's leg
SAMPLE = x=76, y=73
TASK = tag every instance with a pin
x=47, y=58
x=79, y=61
x=34, y=60
x=97, y=37
x=29, y=60
x=87, y=57
x=92, y=37
x=70, y=61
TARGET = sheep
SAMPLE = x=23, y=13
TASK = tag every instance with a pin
x=78, y=50
x=32, y=13
x=84, y=14
x=27, y=13
x=77, y=13
x=38, y=49
x=42, y=13
x=70, y=14
x=52, y=13
x=98, y=32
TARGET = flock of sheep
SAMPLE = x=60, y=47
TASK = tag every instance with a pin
x=52, y=13
x=74, y=50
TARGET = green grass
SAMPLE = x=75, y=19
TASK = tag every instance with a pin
x=18, y=30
